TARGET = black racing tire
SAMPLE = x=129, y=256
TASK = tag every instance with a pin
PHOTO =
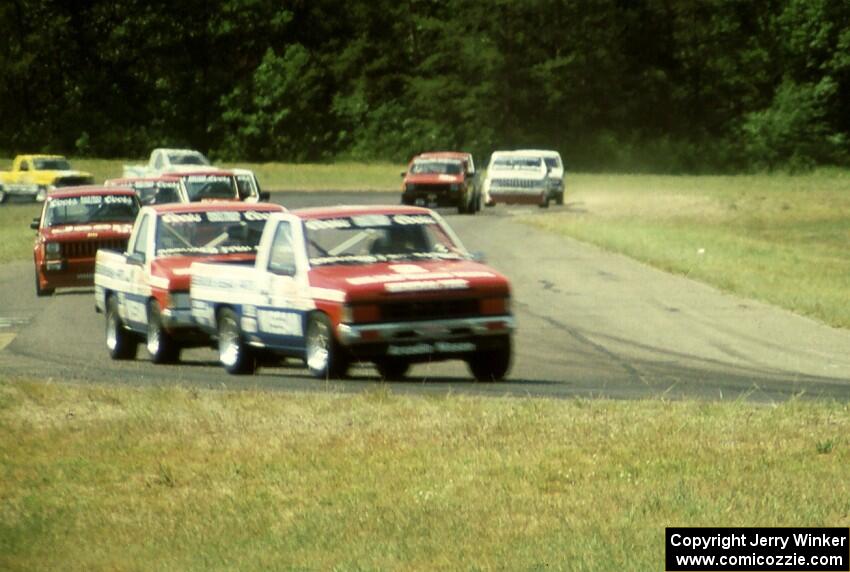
x=325, y=357
x=545, y=203
x=42, y=292
x=3, y=196
x=120, y=343
x=160, y=345
x=559, y=200
x=235, y=355
x=492, y=364
x=392, y=368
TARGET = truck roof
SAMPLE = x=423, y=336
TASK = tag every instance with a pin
x=39, y=156
x=352, y=210
x=215, y=206
x=460, y=155
x=201, y=172
x=86, y=190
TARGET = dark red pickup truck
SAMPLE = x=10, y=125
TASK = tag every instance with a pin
x=75, y=223
x=442, y=179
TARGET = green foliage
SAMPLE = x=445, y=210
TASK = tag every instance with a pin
x=648, y=85
x=793, y=131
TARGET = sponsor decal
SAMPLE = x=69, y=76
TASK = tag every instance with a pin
x=413, y=219
x=124, y=228
x=279, y=323
x=371, y=220
x=420, y=285
x=174, y=218
x=424, y=348
x=408, y=269
x=328, y=223
x=224, y=216
x=207, y=178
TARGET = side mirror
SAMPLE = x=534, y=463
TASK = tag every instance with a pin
x=403, y=174
x=478, y=256
x=34, y=224
x=137, y=258
x=265, y=196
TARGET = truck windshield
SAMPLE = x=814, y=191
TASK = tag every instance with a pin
x=157, y=192
x=51, y=164
x=205, y=187
x=518, y=163
x=370, y=238
x=187, y=159
x=432, y=167
x=91, y=208
x=207, y=233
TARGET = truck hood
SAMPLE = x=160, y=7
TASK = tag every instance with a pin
x=432, y=179
x=392, y=280
x=172, y=272
x=77, y=232
x=516, y=174
x=50, y=175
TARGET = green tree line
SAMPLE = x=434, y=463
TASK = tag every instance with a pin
x=660, y=85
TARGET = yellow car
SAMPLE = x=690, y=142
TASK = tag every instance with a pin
x=33, y=176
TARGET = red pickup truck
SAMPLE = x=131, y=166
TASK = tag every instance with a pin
x=144, y=291
x=75, y=223
x=389, y=285
x=442, y=179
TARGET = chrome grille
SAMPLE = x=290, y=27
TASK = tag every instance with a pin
x=441, y=188
x=88, y=249
x=429, y=309
x=515, y=184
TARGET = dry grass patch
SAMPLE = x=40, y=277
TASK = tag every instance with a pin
x=778, y=238
x=104, y=478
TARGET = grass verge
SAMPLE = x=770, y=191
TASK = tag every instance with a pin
x=778, y=238
x=118, y=478
x=16, y=236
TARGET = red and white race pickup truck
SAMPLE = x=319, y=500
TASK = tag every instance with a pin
x=390, y=285
x=144, y=291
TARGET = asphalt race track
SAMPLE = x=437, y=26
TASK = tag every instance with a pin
x=590, y=324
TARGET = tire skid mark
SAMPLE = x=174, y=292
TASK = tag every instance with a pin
x=631, y=370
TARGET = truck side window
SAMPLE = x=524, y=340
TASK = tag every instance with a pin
x=282, y=255
x=25, y=166
x=140, y=245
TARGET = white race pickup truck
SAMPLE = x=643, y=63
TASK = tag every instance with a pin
x=185, y=161
x=164, y=161
x=390, y=285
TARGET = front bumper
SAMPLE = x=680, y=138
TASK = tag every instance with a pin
x=67, y=272
x=425, y=340
x=518, y=196
x=426, y=198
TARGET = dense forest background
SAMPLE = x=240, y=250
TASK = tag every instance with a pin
x=649, y=85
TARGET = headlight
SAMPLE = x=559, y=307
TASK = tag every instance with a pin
x=496, y=306
x=360, y=314
x=52, y=249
